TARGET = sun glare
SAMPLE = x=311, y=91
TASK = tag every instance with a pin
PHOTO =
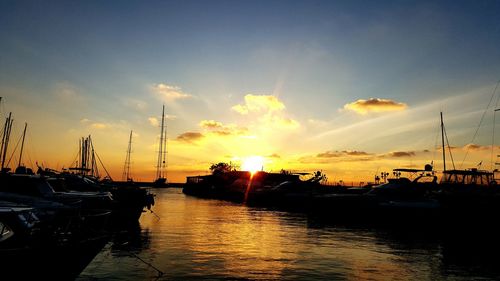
x=253, y=164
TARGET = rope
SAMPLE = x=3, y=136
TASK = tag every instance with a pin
x=160, y=273
x=99, y=158
x=480, y=122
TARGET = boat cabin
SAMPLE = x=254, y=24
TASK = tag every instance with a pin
x=468, y=177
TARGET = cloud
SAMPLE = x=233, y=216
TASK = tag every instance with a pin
x=472, y=146
x=135, y=104
x=67, y=93
x=220, y=129
x=362, y=106
x=210, y=124
x=356, y=153
x=154, y=121
x=274, y=155
x=259, y=103
x=328, y=154
x=169, y=92
x=332, y=154
x=269, y=112
x=99, y=126
x=94, y=125
x=285, y=122
x=190, y=137
x=398, y=154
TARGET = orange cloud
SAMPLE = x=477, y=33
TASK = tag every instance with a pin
x=362, y=106
x=328, y=154
x=472, y=146
x=190, y=137
x=356, y=153
x=169, y=92
x=210, y=124
x=220, y=129
x=99, y=126
x=401, y=154
x=331, y=154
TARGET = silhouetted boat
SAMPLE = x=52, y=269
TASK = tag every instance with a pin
x=31, y=247
x=84, y=210
x=469, y=194
x=161, y=165
x=129, y=199
x=17, y=225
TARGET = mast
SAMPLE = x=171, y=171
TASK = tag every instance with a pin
x=22, y=145
x=442, y=141
x=126, y=166
x=5, y=139
x=161, y=164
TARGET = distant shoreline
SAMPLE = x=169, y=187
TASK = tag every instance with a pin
x=151, y=184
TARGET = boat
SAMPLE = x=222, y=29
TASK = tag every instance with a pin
x=17, y=225
x=130, y=199
x=88, y=210
x=31, y=249
x=470, y=194
x=161, y=164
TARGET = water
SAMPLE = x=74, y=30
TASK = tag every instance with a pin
x=200, y=239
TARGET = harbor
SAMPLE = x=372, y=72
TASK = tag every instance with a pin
x=249, y=140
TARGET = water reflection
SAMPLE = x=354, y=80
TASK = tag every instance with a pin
x=198, y=239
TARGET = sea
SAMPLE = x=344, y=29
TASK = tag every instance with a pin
x=189, y=238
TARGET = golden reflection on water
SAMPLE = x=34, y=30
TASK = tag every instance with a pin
x=216, y=238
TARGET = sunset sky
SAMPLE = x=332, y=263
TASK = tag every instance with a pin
x=352, y=88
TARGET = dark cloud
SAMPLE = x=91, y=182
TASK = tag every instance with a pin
x=355, y=153
x=401, y=154
x=190, y=137
x=374, y=105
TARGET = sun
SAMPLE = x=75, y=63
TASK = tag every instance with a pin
x=253, y=164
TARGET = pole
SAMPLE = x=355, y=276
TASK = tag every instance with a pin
x=5, y=140
x=22, y=145
x=442, y=141
x=160, y=153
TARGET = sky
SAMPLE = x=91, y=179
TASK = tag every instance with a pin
x=350, y=88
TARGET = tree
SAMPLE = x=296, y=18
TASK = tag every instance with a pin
x=221, y=168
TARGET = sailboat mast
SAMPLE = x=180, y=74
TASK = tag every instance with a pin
x=22, y=145
x=5, y=140
x=126, y=168
x=161, y=160
x=442, y=141
x=165, y=150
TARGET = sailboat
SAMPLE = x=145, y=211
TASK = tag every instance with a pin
x=161, y=165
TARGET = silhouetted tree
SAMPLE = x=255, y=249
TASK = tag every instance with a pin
x=222, y=167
